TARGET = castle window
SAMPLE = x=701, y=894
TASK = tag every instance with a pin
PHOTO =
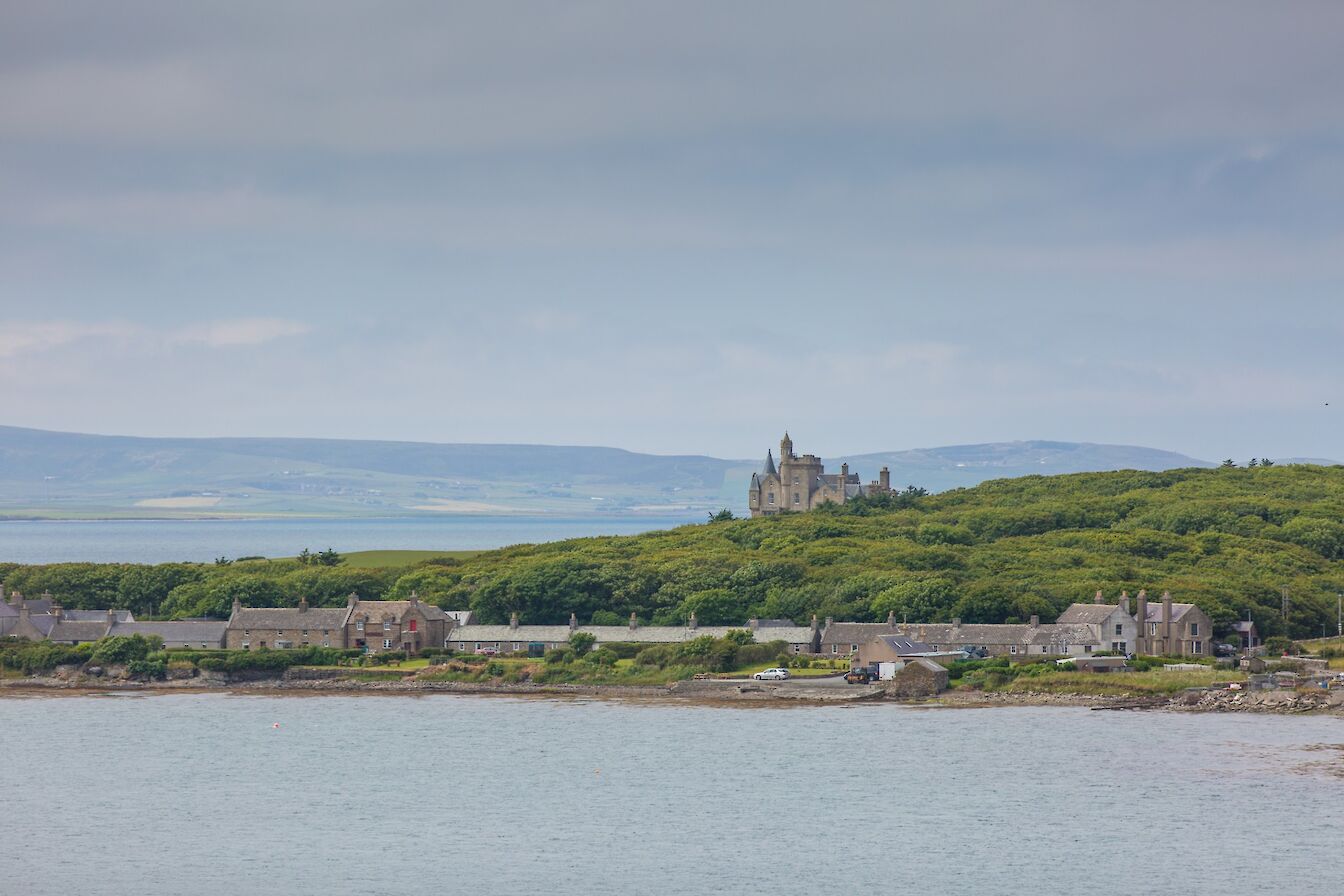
x=795, y=480
x=795, y=498
x=772, y=497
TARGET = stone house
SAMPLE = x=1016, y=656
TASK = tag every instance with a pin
x=890, y=649
x=1245, y=635
x=802, y=483
x=1031, y=639
x=21, y=618
x=280, y=628
x=1113, y=626
x=1172, y=629
x=409, y=625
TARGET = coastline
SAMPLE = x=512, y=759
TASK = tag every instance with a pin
x=708, y=693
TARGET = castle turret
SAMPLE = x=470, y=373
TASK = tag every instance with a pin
x=884, y=479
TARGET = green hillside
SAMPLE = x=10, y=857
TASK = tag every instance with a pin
x=1231, y=540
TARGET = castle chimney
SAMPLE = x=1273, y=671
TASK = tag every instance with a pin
x=1035, y=621
x=573, y=623
x=513, y=620
x=1097, y=599
x=691, y=623
x=303, y=605
x=884, y=479
x=891, y=618
x=634, y=622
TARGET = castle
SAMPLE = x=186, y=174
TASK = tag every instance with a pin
x=802, y=483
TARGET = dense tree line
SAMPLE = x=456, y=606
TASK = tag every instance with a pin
x=1230, y=539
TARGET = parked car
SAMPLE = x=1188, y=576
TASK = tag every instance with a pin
x=859, y=676
x=486, y=651
x=772, y=675
x=1225, y=650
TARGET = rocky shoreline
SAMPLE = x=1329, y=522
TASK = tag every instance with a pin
x=707, y=692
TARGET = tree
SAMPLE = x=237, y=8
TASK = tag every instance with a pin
x=722, y=516
x=305, y=557
x=1254, y=462
x=1229, y=463
x=582, y=642
x=329, y=558
x=1266, y=462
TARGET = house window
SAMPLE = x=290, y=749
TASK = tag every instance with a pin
x=387, y=626
x=1012, y=648
x=835, y=648
x=245, y=633
x=279, y=633
x=515, y=646
x=247, y=645
x=305, y=642
x=1194, y=629
x=1044, y=649
x=305, y=633
x=1087, y=648
x=387, y=643
x=1152, y=628
x=359, y=626
x=461, y=645
x=412, y=625
x=326, y=642
x=1198, y=646
x=1119, y=628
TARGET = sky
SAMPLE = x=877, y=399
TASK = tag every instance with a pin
x=677, y=228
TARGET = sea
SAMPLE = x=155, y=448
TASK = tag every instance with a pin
x=202, y=541
x=215, y=794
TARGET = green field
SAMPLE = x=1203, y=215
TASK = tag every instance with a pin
x=398, y=559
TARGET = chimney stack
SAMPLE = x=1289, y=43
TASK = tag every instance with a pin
x=1035, y=621
x=1166, y=622
x=415, y=599
x=891, y=618
x=634, y=622
x=956, y=622
x=513, y=620
x=111, y=619
x=237, y=605
x=814, y=622
x=830, y=620
x=884, y=479
x=1145, y=643
x=1097, y=599
x=16, y=598
x=303, y=605
x=1124, y=602
x=351, y=601
x=573, y=623
x=844, y=473
x=57, y=613
x=753, y=624
x=691, y=623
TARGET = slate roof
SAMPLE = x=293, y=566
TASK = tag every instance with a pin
x=923, y=664
x=855, y=632
x=459, y=617
x=322, y=618
x=77, y=631
x=6, y=610
x=1244, y=626
x=377, y=610
x=904, y=646
x=96, y=615
x=769, y=464
x=181, y=632
x=1087, y=614
x=1154, y=613
x=943, y=635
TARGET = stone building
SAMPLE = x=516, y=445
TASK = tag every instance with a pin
x=1172, y=629
x=919, y=677
x=1112, y=625
x=280, y=628
x=409, y=625
x=802, y=483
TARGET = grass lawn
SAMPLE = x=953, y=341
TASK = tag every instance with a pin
x=1154, y=682
x=396, y=559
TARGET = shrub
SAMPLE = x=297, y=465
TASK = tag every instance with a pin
x=602, y=657
x=582, y=642
x=558, y=656
x=146, y=668
x=125, y=649
x=495, y=670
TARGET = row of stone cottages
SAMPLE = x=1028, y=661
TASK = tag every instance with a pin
x=1167, y=628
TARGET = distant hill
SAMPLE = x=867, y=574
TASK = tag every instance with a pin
x=54, y=474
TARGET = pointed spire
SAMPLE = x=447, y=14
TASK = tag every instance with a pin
x=769, y=463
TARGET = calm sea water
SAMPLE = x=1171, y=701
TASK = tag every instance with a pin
x=161, y=541
x=451, y=794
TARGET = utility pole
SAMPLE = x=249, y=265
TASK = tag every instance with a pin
x=1339, y=614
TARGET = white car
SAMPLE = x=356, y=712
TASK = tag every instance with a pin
x=771, y=675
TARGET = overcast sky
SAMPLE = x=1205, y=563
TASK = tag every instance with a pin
x=679, y=227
